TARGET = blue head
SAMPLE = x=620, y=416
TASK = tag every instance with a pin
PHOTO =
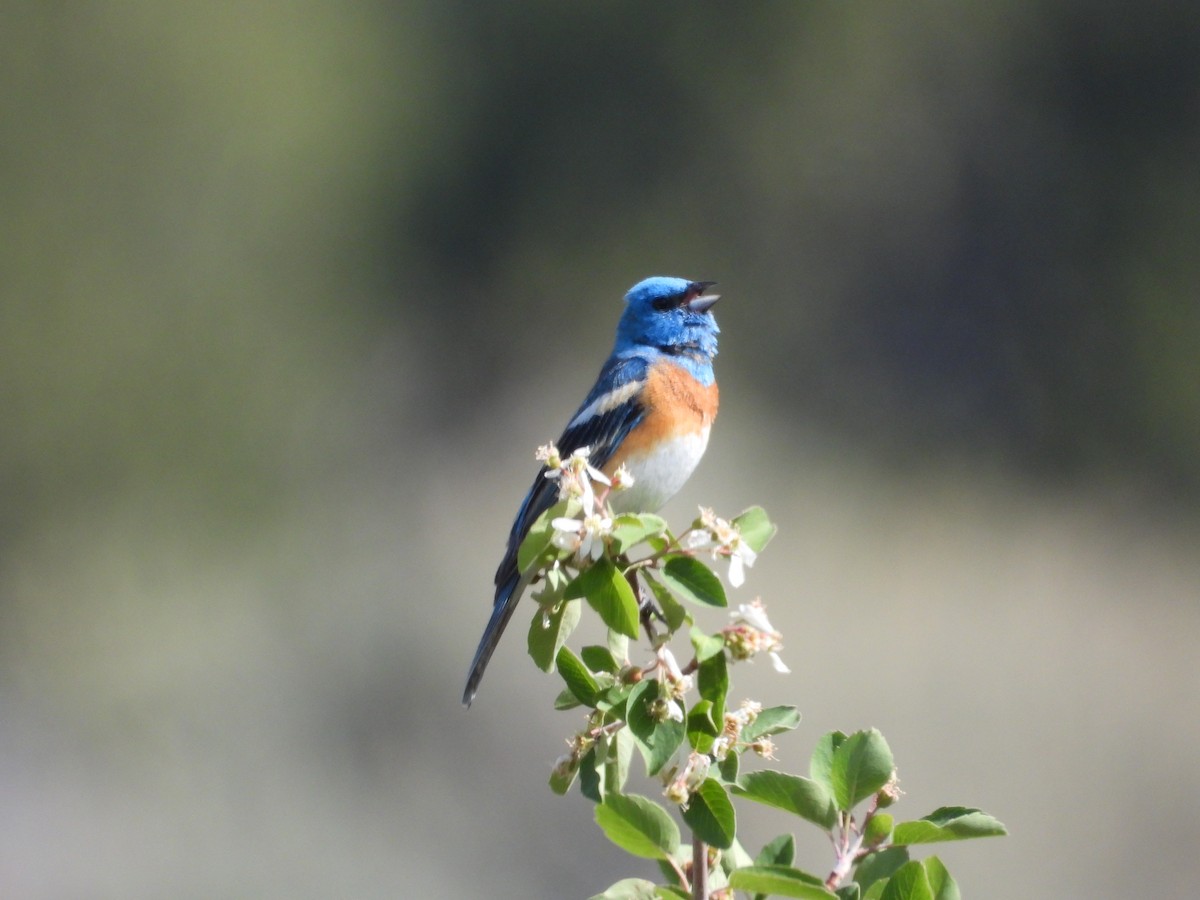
x=672, y=315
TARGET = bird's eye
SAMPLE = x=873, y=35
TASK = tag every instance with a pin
x=662, y=304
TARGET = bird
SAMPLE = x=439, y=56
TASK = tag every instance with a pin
x=651, y=409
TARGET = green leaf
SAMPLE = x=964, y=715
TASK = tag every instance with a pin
x=591, y=776
x=712, y=681
x=734, y=858
x=940, y=882
x=949, y=823
x=638, y=825
x=781, y=881
x=609, y=594
x=710, y=815
x=657, y=740
x=579, y=680
x=670, y=892
x=849, y=892
x=620, y=754
x=862, y=764
x=908, y=883
x=668, y=871
x=555, y=581
x=706, y=645
x=549, y=631
x=693, y=580
x=700, y=718
x=779, y=852
x=630, y=889
x=879, y=827
x=618, y=646
x=560, y=782
x=796, y=794
x=612, y=699
x=672, y=610
x=630, y=529
x=539, y=538
x=728, y=767
x=772, y=720
x=701, y=729
x=820, y=767
x=566, y=700
x=879, y=866
x=660, y=543
x=599, y=659
x=755, y=528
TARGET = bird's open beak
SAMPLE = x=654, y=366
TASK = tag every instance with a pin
x=702, y=302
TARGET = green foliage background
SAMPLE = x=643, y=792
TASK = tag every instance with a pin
x=290, y=292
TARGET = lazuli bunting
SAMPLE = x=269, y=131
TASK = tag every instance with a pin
x=651, y=410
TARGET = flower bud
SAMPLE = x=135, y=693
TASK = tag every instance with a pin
x=889, y=793
x=622, y=479
x=660, y=709
x=677, y=792
x=741, y=642
x=631, y=674
x=764, y=747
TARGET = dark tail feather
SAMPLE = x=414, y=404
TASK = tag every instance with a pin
x=506, y=604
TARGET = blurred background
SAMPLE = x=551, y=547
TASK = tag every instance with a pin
x=291, y=292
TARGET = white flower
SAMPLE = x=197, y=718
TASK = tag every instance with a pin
x=746, y=713
x=668, y=662
x=569, y=483
x=728, y=543
x=741, y=557
x=573, y=474
x=583, y=490
x=683, y=784
x=566, y=533
x=622, y=478
x=585, y=537
x=696, y=770
x=678, y=684
x=548, y=454
x=578, y=464
x=676, y=792
x=752, y=633
x=722, y=745
x=764, y=747
x=674, y=711
x=732, y=726
x=755, y=615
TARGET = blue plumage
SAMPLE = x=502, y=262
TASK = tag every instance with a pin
x=685, y=331
x=665, y=334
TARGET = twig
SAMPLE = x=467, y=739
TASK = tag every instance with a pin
x=699, y=869
x=846, y=846
x=683, y=879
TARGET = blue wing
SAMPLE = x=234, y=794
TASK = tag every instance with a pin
x=602, y=430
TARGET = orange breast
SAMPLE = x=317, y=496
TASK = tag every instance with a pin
x=676, y=404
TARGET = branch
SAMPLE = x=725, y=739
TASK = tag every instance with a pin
x=699, y=869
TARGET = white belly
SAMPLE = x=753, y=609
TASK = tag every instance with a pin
x=659, y=475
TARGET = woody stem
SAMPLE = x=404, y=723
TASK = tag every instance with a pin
x=699, y=869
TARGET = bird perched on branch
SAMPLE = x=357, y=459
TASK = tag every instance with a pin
x=650, y=410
